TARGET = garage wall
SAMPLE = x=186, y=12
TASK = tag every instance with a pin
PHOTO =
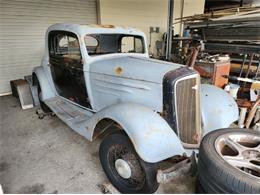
x=22, y=29
x=142, y=14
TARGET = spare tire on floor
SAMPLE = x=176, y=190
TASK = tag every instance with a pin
x=229, y=162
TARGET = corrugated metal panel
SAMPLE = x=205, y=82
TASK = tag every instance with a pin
x=22, y=29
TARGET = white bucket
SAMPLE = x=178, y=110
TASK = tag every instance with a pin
x=233, y=90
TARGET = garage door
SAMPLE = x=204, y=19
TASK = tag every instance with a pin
x=22, y=28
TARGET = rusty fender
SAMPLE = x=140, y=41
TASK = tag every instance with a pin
x=152, y=137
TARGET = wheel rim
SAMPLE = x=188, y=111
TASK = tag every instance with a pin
x=126, y=167
x=241, y=151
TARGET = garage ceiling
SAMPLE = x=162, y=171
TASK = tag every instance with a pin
x=22, y=29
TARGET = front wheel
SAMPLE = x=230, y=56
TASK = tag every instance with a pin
x=124, y=168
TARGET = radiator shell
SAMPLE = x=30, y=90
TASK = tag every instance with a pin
x=182, y=105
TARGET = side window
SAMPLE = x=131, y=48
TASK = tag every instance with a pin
x=64, y=45
x=91, y=44
x=139, y=45
x=91, y=41
x=127, y=45
x=132, y=44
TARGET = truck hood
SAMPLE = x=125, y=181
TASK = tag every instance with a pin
x=132, y=67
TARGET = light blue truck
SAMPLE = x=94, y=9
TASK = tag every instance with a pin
x=100, y=81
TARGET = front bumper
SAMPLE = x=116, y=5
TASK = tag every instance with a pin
x=186, y=167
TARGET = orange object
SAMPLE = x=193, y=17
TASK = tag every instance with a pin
x=214, y=71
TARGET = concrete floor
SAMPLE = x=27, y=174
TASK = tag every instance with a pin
x=46, y=156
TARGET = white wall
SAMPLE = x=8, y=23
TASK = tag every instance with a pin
x=142, y=14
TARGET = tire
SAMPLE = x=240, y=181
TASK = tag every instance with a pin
x=143, y=175
x=44, y=107
x=199, y=188
x=216, y=175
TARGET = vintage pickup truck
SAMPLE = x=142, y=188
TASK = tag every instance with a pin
x=100, y=80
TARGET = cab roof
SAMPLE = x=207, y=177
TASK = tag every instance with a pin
x=81, y=29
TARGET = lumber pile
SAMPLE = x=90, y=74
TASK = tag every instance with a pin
x=229, y=13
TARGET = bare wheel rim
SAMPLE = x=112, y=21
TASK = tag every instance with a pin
x=240, y=150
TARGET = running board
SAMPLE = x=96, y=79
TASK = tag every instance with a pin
x=74, y=116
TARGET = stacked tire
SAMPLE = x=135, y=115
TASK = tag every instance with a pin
x=218, y=175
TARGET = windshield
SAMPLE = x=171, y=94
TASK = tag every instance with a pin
x=98, y=44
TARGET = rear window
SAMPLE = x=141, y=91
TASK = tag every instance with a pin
x=98, y=44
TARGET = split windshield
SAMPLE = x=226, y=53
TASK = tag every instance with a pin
x=98, y=44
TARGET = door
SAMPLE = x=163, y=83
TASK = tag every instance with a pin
x=67, y=67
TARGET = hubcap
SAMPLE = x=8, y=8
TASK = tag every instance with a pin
x=123, y=168
x=241, y=151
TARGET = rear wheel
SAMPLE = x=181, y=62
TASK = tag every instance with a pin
x=124, y=168
x=44, y=107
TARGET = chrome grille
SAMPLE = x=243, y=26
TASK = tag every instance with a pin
x=188, y=109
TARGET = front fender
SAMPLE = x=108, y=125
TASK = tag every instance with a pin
x=150, y=134
x=46, y=88
x=218, y=108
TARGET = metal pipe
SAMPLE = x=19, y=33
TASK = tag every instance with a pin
x=169, y=30
x=249, y=65
x=242, y=66
x=248, y=69
x=251, y=114
x=194, y=55
x=181, y=26
x=258, y=69
x=242, y=117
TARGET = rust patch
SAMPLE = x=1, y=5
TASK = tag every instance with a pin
x=196, y=137
x=102, y=25
x=118, y=70
x=107, y=26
